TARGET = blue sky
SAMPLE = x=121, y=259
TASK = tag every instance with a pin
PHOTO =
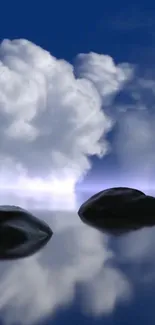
x=66, y=29
x=126, y=33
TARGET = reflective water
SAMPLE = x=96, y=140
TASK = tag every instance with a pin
x=82, y=276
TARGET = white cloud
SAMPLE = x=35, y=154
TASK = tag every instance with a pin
x=133, y=112
x=101, y=69
x=52, y=122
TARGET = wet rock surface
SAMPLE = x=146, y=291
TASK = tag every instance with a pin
x=21, y=233
x=118, y=210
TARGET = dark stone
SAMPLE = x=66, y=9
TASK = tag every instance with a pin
x=21, y=233
x=118, y=210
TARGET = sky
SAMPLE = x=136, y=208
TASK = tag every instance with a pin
x=77, y=90
x=86, y=70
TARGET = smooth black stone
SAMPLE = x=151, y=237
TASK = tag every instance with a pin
x=118, y=210
x=21, y=233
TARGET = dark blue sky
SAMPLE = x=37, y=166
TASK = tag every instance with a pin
x=65, y=28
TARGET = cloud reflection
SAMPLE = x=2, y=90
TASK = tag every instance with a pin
x=32, y=289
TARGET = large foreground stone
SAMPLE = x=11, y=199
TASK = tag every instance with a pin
x=118, y=210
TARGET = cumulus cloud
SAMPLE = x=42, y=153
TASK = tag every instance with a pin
x=77, y=254
x=52, y=121
x=102, y=71
x=133, y=91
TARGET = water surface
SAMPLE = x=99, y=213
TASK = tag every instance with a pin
x=82, y=276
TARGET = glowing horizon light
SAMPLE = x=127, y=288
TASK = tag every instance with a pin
x=54, y=194
x=54, y=185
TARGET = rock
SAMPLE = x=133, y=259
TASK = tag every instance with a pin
x=118, y=210
x=21, y=233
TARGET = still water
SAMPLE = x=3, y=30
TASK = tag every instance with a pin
x=82, y=276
